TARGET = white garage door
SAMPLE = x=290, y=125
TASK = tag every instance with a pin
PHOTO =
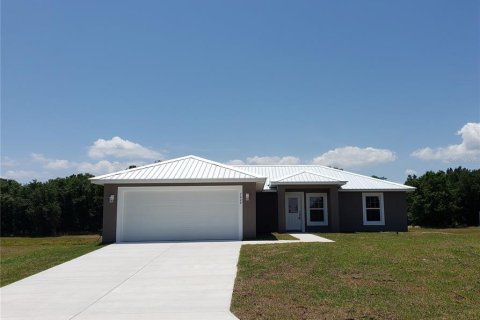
x=179, y=213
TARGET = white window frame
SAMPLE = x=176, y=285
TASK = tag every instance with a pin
x=325, y=209
x=382, y=211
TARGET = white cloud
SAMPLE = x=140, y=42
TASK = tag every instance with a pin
x=354, y=157
x=38, y=157
x=101, y=149
x=55, y=164
x=100, y=167
x=471, y=135
x=346, y=157
x=467, y=150
x=235, y=162
x=120, y=148
x=266, y=160
x=58, y=164
x=8, y=162
x=410, y=172
x=103, y=166
x=21, y=175
x=273, y=160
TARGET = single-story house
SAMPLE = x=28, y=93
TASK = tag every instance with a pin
x=192, y=198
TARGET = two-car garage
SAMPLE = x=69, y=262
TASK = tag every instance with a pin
x=158, y=213
x=183, y=199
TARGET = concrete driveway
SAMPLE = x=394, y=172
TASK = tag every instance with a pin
x=191, y=280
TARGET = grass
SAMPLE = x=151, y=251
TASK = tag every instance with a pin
x=22, y=257
x=421, y=274
x=275, y=236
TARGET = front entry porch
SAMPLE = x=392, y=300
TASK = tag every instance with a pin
x=299, y=208
x=305, y=210
x=308, y=208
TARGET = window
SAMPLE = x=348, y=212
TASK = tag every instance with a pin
x=292, y=205
x=317, y=212
x=373, y=209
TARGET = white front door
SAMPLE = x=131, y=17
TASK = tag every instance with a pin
x=293, y=211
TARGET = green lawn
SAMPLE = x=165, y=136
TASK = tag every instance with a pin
x=22, y=257
x=422, y=274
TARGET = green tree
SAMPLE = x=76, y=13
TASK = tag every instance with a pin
x=42, y=208
x=444, y=198
x=13, y=219
x=62, y=205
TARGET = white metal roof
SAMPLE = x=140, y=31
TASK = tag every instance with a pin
x=354, y=182
x=306, y=177
x=193, y=169
x=189, y=169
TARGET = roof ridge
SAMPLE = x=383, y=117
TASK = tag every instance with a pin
x=272, y=165
x=138, y=168
x=301, y=172
x=326, y=167
x=364, y=176
x=223, y=165
x=218, y=164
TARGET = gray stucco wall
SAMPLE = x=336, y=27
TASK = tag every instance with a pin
x=109, y=232
x=351, y=212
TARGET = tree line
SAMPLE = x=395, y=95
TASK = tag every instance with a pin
x=58, y=206
x=445, y=198
x=74, y=205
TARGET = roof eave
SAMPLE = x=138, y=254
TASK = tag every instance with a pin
x=279, y=183
x=174, y=181
x=378, y=190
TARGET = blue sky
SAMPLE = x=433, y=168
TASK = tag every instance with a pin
x=375, y=87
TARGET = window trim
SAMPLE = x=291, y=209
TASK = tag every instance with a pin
x=381, y=222
x=325, y=209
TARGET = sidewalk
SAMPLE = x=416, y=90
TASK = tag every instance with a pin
x=302, y=237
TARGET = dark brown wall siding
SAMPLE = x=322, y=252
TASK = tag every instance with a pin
x=281, y=208
x=333, y=210
x=351, y=212
x=396, y=210
x=110, y=209
x=249, y=211
x=267, y=212
x=109, y=232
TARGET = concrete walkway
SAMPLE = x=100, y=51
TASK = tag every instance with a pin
x=308, y=237
x=135, y=281
x=302, y=237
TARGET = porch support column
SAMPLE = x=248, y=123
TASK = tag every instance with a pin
x=334, y=211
